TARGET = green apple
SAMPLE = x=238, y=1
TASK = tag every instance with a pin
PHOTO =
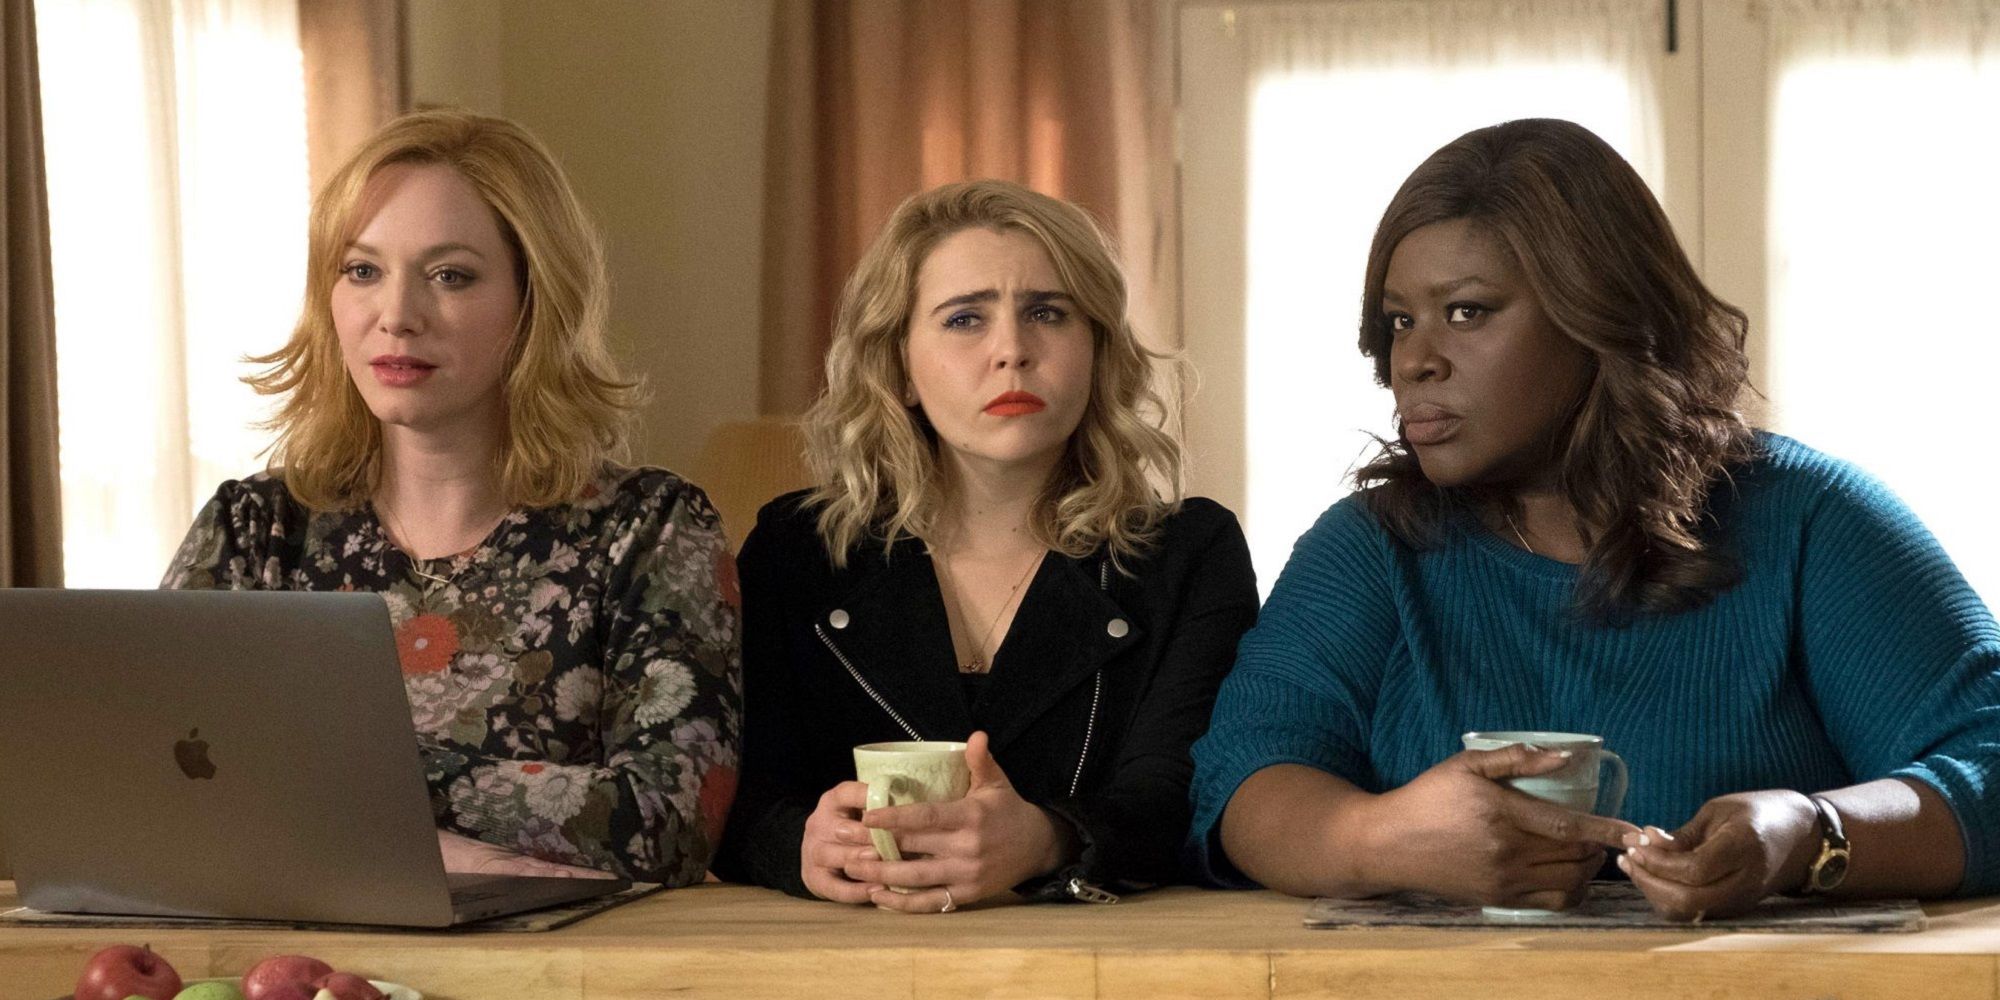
x=212, y=990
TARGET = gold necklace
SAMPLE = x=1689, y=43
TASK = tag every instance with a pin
x=1517, y=534
x=978, y=664
x=433, y=582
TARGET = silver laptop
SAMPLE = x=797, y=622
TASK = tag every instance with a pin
x=224, y=754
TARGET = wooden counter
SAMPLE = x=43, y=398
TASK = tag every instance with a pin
x=733, y=942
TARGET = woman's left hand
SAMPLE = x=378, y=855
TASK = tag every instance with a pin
x=465, y=855
x=1737, y=850
x=978, y=846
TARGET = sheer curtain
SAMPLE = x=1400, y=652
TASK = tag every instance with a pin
x=1883, y=210
x=175, y=137
x=1346, y=99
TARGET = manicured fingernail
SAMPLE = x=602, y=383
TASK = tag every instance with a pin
x=1662, y=834
x=1644, y=840
x=1625, y=863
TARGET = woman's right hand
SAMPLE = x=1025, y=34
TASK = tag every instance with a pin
x=1457, y=831
x=834, y=836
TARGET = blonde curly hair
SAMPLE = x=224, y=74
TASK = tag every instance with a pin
x=877, y=458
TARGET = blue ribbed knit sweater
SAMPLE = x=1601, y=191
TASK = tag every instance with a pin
x=1851, y=650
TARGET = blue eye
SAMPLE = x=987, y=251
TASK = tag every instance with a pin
x=1046, y=314
x=961, y=320
x=361, y=270
x=451, y=277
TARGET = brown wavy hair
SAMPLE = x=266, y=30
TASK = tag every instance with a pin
x=1657, y=429
x=876, y=458
x=568, y=406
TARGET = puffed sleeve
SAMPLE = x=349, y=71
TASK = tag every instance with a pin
x=230, y=544
x=653, y=807
x=1903, y=659
x=1306, y=676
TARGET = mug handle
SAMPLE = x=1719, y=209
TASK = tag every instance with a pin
x=882, y=795
x=1617, y=792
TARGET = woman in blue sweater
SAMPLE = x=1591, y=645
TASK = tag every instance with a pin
x=1575, y=530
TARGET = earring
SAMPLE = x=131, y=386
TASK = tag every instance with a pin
x=909, y=395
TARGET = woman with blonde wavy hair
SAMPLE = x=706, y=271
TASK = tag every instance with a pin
x=1575, y=530
x=450, y=416
x=997, y=553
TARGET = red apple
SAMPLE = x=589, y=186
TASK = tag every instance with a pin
x=124, y=970
x=284, y=977
x=348, y=986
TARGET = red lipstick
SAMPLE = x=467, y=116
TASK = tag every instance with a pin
x=1015, y=404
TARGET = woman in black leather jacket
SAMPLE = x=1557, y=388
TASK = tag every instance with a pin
x=999, y=554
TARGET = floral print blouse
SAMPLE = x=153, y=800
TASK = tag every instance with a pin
x=575, y=679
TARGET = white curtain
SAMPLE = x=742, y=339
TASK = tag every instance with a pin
x=1884, y=205
x=175, y=140
x=1347, y=98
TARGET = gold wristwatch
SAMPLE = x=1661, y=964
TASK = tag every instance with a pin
x=1830, y=868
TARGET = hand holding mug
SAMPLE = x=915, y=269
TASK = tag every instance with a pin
x=833, y=837
x=973, y=847
x=1737, y=850
x=1462, y=834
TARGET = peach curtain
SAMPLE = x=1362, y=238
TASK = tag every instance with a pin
x=874, y=100
x=355, y=78
x=30, y=494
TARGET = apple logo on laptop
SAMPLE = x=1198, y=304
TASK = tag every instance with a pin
x=192, y=755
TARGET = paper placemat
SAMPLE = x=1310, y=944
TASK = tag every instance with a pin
x=537, y=920
x=1621, y=906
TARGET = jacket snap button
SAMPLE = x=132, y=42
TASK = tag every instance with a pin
x=837, y=618
x=1117, y=629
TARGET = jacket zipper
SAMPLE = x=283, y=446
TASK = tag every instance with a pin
x=1096, y=692
x=1089, y=729
x=827, y=640
x=1077, y=888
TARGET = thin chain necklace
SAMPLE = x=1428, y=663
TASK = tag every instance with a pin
x=433, y=583
x=1517, y=534
x=977, y=664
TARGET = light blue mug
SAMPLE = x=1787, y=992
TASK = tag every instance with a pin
x=1576, y=785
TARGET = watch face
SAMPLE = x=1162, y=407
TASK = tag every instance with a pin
x=1831, y=871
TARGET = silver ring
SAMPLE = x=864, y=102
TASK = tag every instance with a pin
x=949, y=903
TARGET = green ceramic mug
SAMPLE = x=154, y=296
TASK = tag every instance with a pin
x=1576, y=785
x=910, y=771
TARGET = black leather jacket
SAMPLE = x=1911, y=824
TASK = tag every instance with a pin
x=1103, y=682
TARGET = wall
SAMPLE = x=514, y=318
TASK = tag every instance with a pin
x=656, y=110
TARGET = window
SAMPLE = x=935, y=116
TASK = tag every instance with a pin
x=1882, y=210
x=1822, y=162
x=175, y=142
